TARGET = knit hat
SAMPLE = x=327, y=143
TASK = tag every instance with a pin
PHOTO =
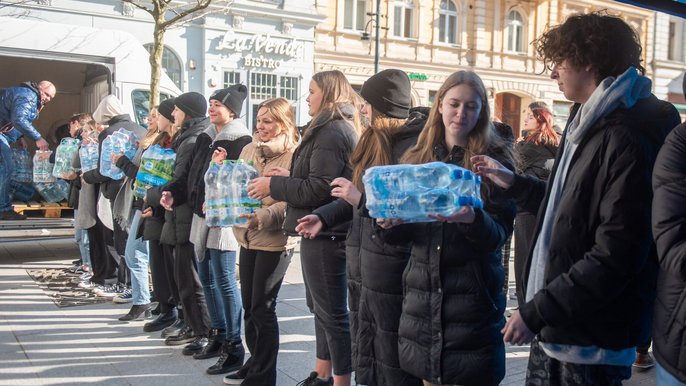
x=389, y=93
x=192, y=103
x=232, y=97
x=165, y=109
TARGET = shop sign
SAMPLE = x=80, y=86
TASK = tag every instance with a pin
x=262, y=44
x=417, y=76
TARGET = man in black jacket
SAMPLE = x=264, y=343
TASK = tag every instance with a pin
x=590, y=276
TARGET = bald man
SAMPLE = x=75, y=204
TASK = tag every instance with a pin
x=19, y=107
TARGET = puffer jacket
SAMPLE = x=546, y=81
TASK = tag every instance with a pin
x=453, y=307
x=669, y=230
x=374, y=272
x=323, y=155
x=177, y=223
x=268, y=236
x=600, y=277
x=19, y=107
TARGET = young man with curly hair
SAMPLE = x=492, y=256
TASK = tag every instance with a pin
x=591, y=273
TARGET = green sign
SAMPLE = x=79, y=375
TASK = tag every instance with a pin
x=417, y=76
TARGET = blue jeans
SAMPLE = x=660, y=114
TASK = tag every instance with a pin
x=6, y=168
x=218, y=276
x=81, y=238
x=665, y=378
x=136, y=254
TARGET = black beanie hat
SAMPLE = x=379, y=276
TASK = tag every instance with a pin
x=389, y=93
x=192, y=103
x=165, y=109
x=232, y=97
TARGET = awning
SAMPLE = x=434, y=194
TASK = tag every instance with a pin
x=672, y=7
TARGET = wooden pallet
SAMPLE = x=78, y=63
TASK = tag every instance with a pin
x=49, y=209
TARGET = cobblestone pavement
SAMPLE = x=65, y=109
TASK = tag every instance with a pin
x=41, y=344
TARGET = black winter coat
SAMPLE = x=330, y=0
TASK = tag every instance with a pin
x=374, y=273
x=453, y=307
x=669, y=230
x=599, y=283
x=323, y=155
x=177, y=223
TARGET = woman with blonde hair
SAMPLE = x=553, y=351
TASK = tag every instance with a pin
x=265, y=251
x=454, y=305
x=322, y=156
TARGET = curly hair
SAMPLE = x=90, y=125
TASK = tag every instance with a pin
x=605, y=42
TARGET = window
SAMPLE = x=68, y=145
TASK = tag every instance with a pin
x=403, y=19
x=141, y=105
x=447, y=22
x=354, y=15
x=675, y=50
x=171, y=65
x=231, y=78
x=264, y=86
x=561, y=114
x=289, y=87
x=432, y=97
x=515, y=32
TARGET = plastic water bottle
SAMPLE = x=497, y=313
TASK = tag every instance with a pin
x=22, y=166
x=212, y=196
x=156, y=169
x=243, y=173
x=50, y=191
x=64, y=157
x=106, y=157
x=42, y=168
x=225, y=190
x=89, y=156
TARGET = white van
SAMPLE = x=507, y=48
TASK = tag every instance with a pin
x=85, y=64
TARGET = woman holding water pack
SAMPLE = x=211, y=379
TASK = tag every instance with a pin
x=454, y=305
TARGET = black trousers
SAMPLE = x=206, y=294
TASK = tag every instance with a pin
x=103, y=262
x=326, y=292
x=261, y=275
x=525, y=225
x=159, y=266
x=191, y=294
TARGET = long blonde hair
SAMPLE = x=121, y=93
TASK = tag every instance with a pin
x=281, y=110
x=336, y=90
x=375, y=145
x=150, y=136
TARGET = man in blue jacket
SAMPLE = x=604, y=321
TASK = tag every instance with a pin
x=19, y=107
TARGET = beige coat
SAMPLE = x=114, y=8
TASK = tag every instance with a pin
x=268, y=236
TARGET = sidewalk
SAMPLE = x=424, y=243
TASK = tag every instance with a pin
x=41, y=344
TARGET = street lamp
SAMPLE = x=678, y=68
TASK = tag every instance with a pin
x=377, y=26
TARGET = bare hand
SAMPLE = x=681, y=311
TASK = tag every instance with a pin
x=277, y=171
x=204, y=208
x=487, y=167
x=147, y=212
x=346, y=190
x=42, y=144
x=388, y=223
x=219, y=155
x=465, y=215
x=167, y=201
x=309, y=226
x=43, y=156
x=70, y=176
x=253, y=222
x=21, y=143
x=515, y=331
x=259, y=187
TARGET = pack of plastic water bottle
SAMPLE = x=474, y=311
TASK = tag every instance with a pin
x=156, y=169
x=22, y=166
x=65, y=154
x=120, y=142
x=53, y=191
x=412, y=192
x=42, y=167
x=89, y=154
x=226, y=193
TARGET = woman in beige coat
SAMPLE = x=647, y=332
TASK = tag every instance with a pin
x=265, y=250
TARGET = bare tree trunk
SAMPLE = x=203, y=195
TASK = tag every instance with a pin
x=156, y=64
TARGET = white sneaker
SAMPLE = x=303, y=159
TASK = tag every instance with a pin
x=124, y=297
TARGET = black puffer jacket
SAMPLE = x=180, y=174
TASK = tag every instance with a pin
x=669, y=230
x=535, y=160
x=177, y=223
x=323, y=154
x=453, y=305
x=599, y=282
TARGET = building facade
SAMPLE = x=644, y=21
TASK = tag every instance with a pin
x=432, y=39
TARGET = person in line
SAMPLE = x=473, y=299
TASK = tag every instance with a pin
x=189, y=114
x=454, y=305
x=374, y=268
x=591, y=273
x=536, y=153
x=152, y=220
x=19, y=107
x=265, y=250
x=669, y=223
x=322, y=156
x=216, y=247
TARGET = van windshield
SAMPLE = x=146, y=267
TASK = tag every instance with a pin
x=141, y=105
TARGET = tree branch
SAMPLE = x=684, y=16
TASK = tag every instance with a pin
x=139, y=6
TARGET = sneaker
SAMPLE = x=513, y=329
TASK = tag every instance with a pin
x=644, y=361
x=314, y=380
x=185, y=336
x=237, y=377
x=161, y=322
x=137, y=312
x=11, y=215
x=110, y=291
x=124, y=297
x=196, y=346
x=230, y=359
x=87, y=284
x=174, y=329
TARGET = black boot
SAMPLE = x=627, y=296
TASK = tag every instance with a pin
x=214, y=346
x=174, y=329
x=196, y=346
x=161, y=322
x=185, y=336
x=137, y=312
x=231, y=359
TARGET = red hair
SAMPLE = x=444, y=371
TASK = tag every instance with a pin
x=544, y=133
